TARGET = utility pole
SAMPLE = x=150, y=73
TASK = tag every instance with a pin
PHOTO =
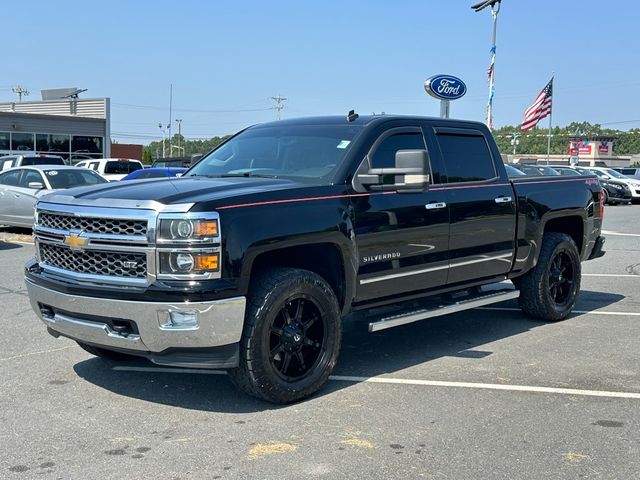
x=179, y=121
x=279, y=104
x=20, y=92
x=170, y=113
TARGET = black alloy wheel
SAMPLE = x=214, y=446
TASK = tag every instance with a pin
x=297, y=338
x=561, y=279
x=549, y=290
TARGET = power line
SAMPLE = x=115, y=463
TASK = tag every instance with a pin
x=190, y=110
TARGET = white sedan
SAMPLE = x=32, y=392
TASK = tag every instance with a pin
x=22, y=187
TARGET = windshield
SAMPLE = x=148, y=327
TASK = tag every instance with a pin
x=303, y=151
x=615, y=174
x=73, y=178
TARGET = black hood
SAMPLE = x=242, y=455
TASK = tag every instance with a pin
x=180, y=190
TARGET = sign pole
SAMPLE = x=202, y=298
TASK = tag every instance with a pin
x=444, y=108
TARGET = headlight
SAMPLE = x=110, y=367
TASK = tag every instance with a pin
x=192, y=264
x=184, y=230
x=188, y=246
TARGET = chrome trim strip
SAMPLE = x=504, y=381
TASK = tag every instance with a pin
x=434, y=269
x=58, y=201
x=40, y=230
x=95, y=279
x=220, y=322
x=404, y=274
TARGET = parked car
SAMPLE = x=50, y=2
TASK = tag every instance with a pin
x=252, y=260
x=513, y=171
x=537, y=170
x=615, y=192
x=11, y=161
x=610, y=173
x=629, y=172
x=155, y=173
x=112, y=168
x=22, y=187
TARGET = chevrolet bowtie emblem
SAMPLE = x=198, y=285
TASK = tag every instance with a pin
x=75, y=241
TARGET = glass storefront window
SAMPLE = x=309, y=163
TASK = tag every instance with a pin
x=52, y=143
x=4, y=141
x=22, y=141
x=81, y=144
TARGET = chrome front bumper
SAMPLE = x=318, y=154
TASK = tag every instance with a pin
x=219, y=322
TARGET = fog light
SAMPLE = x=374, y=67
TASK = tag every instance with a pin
x=183, y=318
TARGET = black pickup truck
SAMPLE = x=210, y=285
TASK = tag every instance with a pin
x=252, y=260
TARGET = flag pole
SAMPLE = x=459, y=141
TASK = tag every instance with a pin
x=550, y=113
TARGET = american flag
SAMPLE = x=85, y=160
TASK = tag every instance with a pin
x=541, y=108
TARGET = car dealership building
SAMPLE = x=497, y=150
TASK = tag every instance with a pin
x=74, y=128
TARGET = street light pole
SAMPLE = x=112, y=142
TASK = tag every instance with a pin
x=163, y=139
x=515, y=142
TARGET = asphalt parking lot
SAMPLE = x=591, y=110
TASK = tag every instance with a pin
x=481, y=394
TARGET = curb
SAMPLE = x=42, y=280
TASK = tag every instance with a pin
x=12, y=237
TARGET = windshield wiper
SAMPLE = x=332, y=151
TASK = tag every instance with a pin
x=246, y=174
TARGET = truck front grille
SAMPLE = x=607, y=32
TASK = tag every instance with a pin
x=93, y=224
x=94, y=262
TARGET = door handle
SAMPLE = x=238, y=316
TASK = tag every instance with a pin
x=435, y=205
x=503, y=200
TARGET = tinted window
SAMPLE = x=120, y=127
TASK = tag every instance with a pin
x=152, y=175
x=10, y=178
x=385, y=154
x=81, y=144
x=22, y=141
x=73, y=178
x=42, y=161
x=30, y=176
x=121, y=166
x=4, y=141
x=466, y=158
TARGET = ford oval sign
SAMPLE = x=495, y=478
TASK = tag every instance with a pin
x=445, y=87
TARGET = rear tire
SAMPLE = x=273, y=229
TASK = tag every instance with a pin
x=291, y=337
x=550, y=290
x=106, y=354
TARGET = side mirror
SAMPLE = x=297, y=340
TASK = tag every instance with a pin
x=36, y=185
x=411, y=173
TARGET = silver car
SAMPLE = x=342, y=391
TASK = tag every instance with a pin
x=22, y=187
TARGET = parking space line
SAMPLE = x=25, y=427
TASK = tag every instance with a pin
x=621, y=275
x=424, y=383
x=620, y=234
x=581, y=312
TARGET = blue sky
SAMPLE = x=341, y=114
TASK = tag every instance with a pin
x=226, y=59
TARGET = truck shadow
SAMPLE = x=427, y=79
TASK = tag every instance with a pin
x=363, y=354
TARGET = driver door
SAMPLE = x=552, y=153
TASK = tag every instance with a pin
x=402, y=238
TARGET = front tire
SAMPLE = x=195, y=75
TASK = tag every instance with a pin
x=550, y=290
x=291, y=338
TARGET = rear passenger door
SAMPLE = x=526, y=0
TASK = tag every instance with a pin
x=481, y=205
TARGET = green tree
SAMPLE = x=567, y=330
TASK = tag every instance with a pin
x=147, y=158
